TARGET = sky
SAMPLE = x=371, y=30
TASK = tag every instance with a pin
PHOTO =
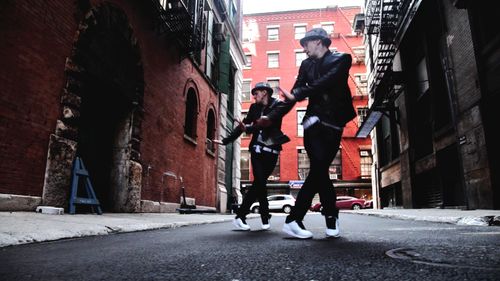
x=264, y=6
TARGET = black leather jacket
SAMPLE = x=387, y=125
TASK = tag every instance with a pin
x=324, y=82
x=272, y=136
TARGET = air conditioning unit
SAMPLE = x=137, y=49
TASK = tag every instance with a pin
x=219, y=32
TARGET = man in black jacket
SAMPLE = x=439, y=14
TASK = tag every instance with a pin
x=265, y=147
x=323, y=79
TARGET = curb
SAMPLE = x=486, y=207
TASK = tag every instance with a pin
x=465, y=220
x=71, y=230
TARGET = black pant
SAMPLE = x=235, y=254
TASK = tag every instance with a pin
x=262, y=166
x=322, y=144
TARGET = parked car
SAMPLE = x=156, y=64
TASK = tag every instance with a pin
x=316, y=207
x=368, y=204
x=343, y=202
x=281, y=202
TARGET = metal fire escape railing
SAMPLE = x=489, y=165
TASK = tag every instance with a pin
x=180, y=24
x=382, y=18
x=385, y=22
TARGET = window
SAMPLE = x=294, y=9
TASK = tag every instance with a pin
x=191, y=114
x=233, y=14
x=362, y=111
x=273, y=34
x=300, y=128
x=210, y=50
x=249, y=61
x=335, y=170
x=163, y=3
x=299, y=57
x=422, y=78
x=304, y=164
x=361, y=84
x=365, y=159
x=245, y=165
x=210, y=130
x=388, y=142
x=274, y=83
x=273, y=60
x=300, y=32
x=246, y=89
x=359, y=54
x=328, y=27
x=275, y=175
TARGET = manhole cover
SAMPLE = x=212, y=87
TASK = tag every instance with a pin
x=442, y=258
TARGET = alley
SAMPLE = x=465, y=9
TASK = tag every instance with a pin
x=370, y=248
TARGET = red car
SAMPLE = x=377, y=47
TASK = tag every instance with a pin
x=343, y=202
x=369, y=204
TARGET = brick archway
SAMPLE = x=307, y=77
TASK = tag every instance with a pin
x=104, y=89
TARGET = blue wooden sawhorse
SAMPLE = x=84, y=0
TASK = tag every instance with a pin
x=80, y=173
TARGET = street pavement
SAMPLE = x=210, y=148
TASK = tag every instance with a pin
x=370, y=248
x=31, y=227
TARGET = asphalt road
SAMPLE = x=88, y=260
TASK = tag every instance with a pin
x=370, y=248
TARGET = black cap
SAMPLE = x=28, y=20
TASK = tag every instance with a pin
x=263, y=86
x=314, y=34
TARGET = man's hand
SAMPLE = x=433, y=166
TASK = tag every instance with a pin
x=286, y=94
x=217, y=141
x=263, y=122
x=241, y=126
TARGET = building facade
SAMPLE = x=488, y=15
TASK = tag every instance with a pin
x=132, y=88
x=432, y=96
x=273, y=54
x=233, y=60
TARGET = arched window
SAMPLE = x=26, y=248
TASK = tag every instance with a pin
x=191, y=114
x=210, y=130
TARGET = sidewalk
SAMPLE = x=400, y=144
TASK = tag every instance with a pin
x=453, y=216
x=29, y=227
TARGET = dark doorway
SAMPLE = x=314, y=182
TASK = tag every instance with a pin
x=427, y=191
x=102, y=109
x=449, y=171
x=391, y=196
x=103, y=114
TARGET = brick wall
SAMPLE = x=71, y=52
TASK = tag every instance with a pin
x=468, y=95
x=36, y=40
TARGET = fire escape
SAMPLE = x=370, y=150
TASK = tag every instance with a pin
x=385, y=23
x=181, y=24
x=381, y=20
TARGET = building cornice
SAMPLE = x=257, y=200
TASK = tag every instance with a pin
x=334, y=8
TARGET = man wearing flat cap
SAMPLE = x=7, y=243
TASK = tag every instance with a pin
x=265, y=147
x=323, y=79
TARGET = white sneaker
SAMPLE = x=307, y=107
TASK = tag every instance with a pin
x=333, y=232
x=266, y=223
x=240, y=224
x=293, y=229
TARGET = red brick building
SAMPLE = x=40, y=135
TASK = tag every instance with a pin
x=273, y=52
x=129, y=86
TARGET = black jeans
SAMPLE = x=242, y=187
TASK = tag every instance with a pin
x=262, y=166
x=322, y=144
